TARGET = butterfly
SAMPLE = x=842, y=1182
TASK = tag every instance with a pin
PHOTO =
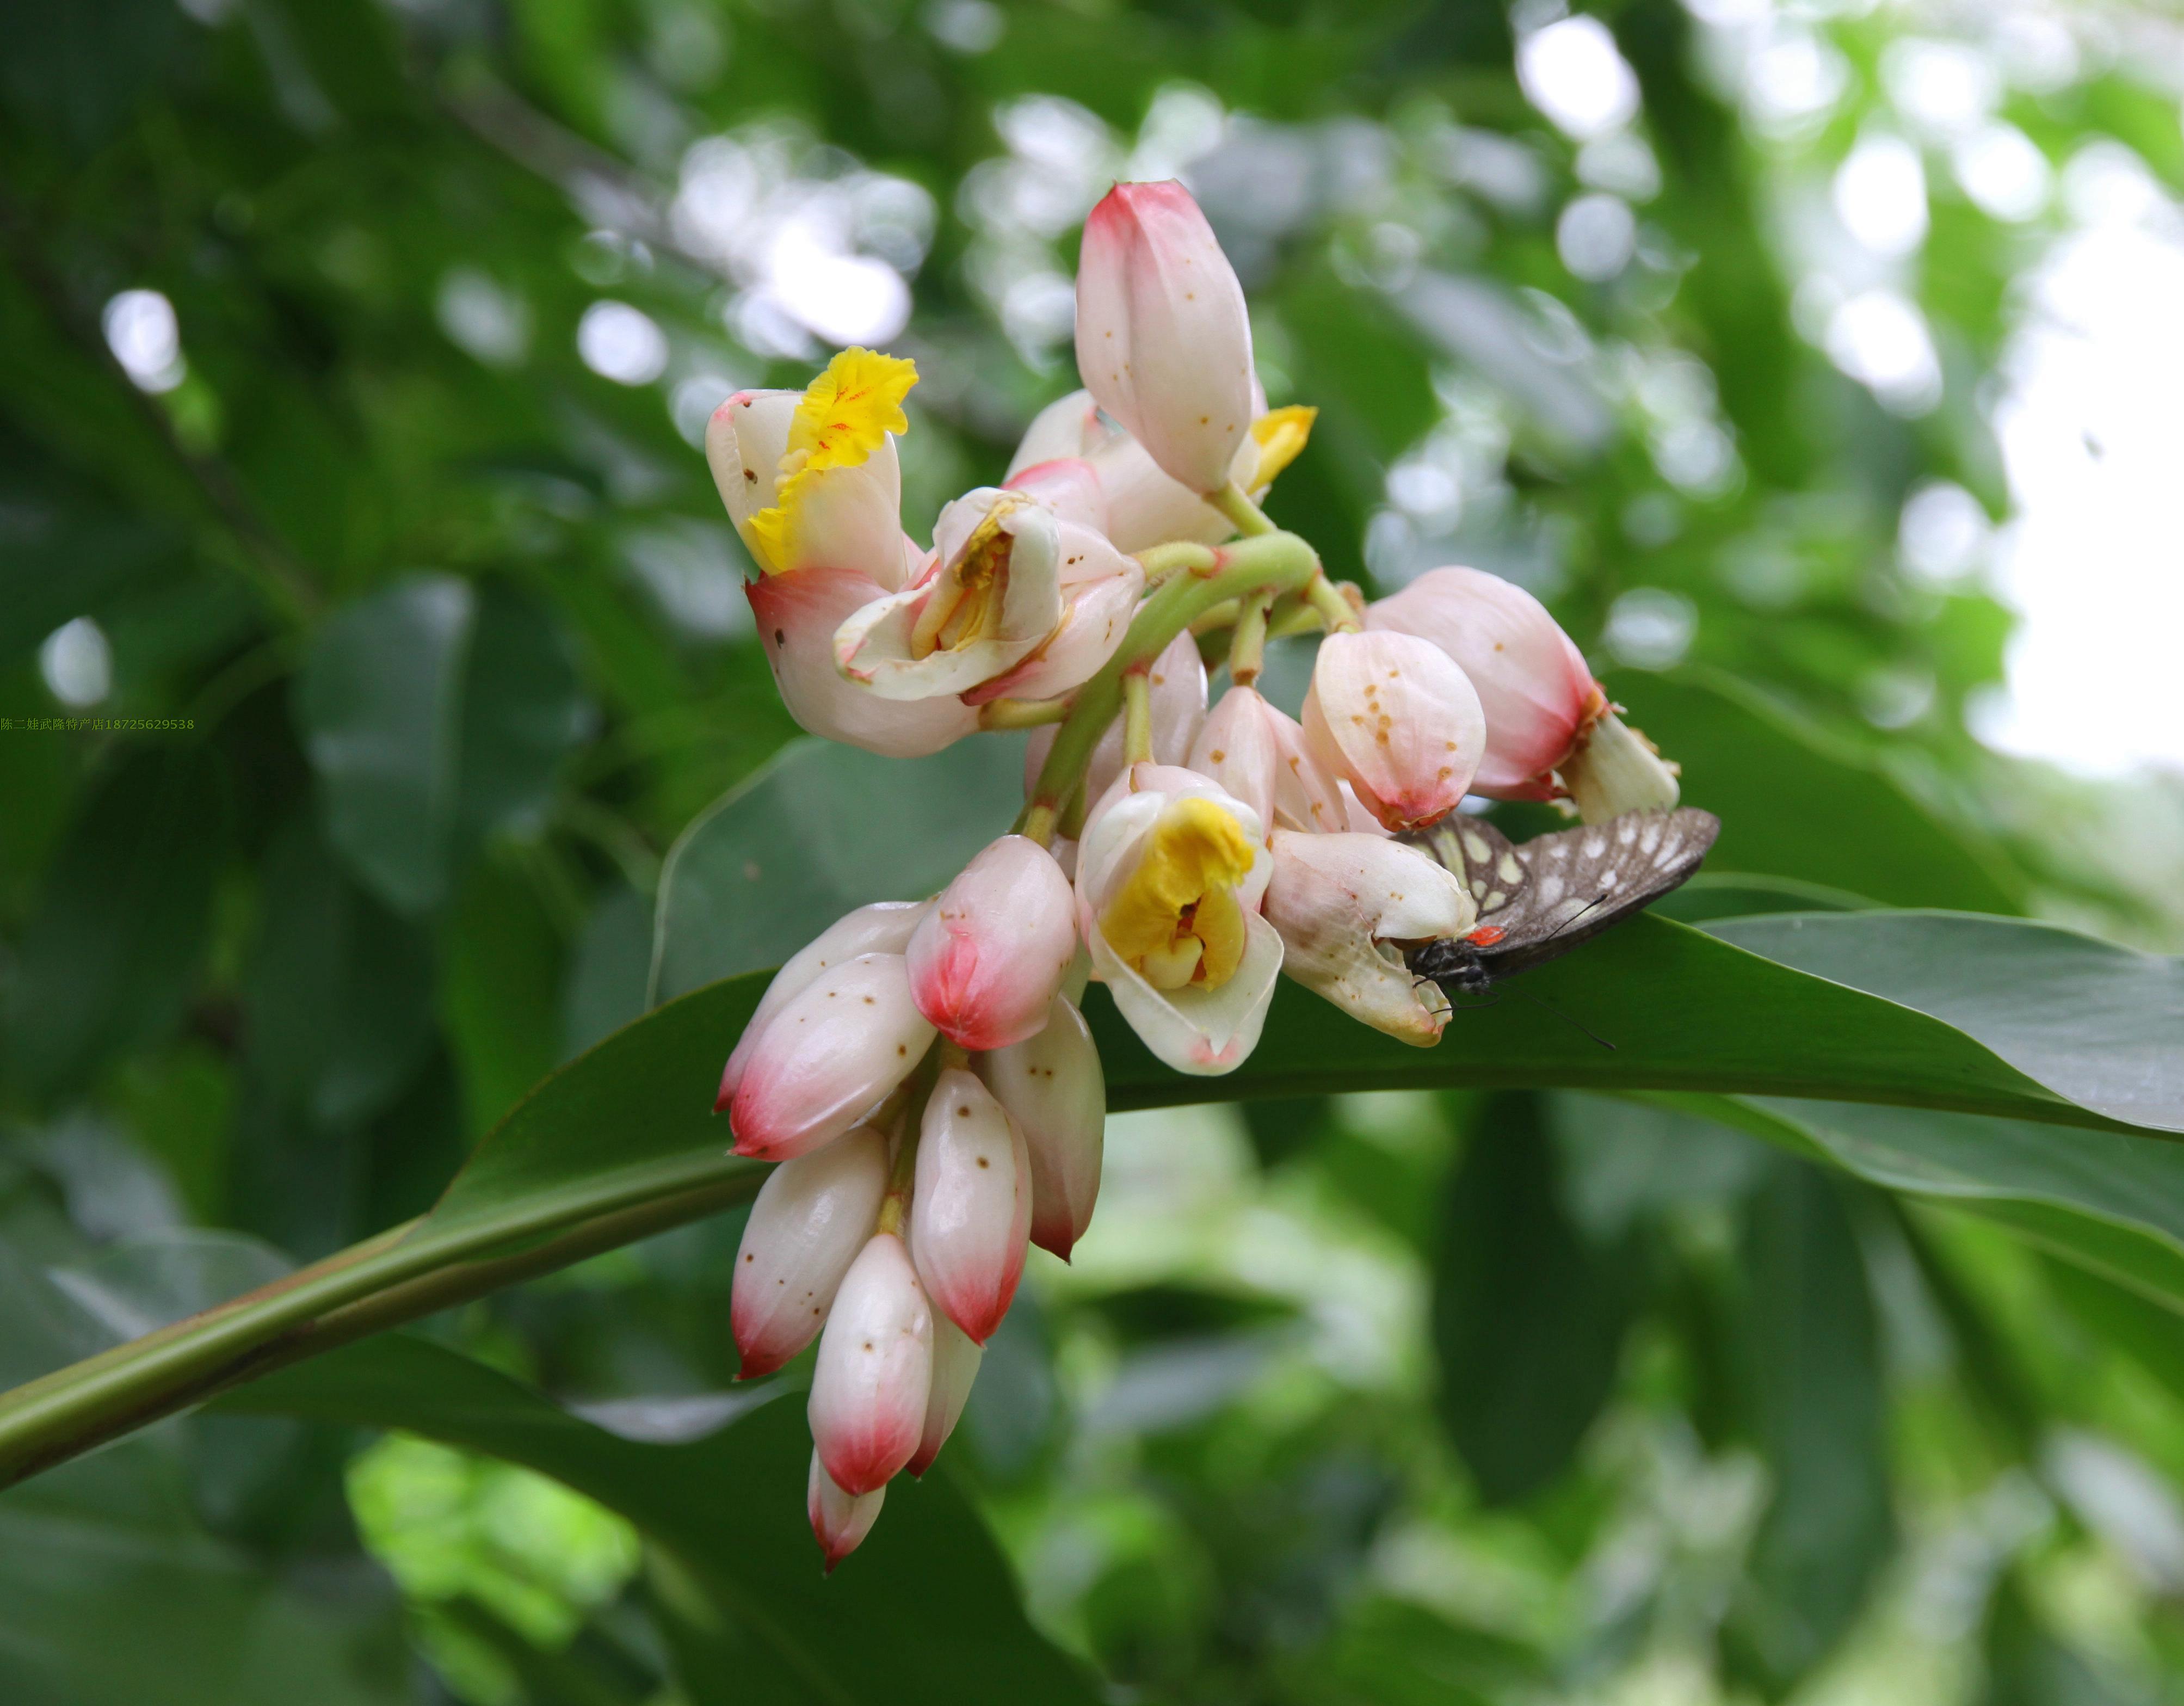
x=1541, y=898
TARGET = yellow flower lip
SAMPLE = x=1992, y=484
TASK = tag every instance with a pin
x=1281, y=435
x=846, y=414
x=1177, y=920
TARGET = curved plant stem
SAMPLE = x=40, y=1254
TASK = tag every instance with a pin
x=403, y=1274
x=1250, y=519
x=1271, y=561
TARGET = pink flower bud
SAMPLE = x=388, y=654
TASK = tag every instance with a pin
x=990, y=955
x=1069, y=486
x=1053, y=1088
x=1344, y=905
x=797, y=615
x=1177, y=684
x=875, y=1370
x=970, y=1216
x=1163, y=340
x=1258, y=753
x=812, y=1217
x=1539, y=696
x=836, y=1050
x=884, y=927
x=1393, y=716
x=955, y=1360
x=840, y=1521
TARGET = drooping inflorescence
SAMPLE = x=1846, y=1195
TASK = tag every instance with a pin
x=921, y=1071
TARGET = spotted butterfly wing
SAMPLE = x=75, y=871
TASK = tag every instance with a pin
x=1542, y=897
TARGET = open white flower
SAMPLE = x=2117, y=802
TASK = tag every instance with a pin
x=1344, y=904
x=1169, y=879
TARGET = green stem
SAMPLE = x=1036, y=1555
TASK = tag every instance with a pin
x=1247, y=646
x=411, y=1271
x=1250, y=519
x=1163, y=563
x=1273, y=561
x=1137, y=718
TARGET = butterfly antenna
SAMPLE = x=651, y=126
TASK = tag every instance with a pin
x=1597, y=901
x=1566, y=1019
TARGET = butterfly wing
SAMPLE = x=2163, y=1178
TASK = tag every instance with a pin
x=1543, y=897
x=1486, y=861
x=1582, y=880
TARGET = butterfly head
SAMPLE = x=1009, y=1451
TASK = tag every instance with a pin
x=1456, y=963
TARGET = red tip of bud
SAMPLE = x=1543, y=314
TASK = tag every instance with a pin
x=1054, y=1242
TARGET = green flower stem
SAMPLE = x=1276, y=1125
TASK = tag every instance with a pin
x=1163, y=563
x=1270, y=561
x=1137, y=717
x=1247, y=646
x=1250, y=519
x=407, y=1272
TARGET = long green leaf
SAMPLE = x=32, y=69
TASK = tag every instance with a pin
x=622, y=1142
x=926, y=1611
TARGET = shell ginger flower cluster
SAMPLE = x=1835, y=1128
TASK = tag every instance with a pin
x=922, y=1072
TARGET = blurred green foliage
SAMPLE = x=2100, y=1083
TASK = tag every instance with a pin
x=399, y=636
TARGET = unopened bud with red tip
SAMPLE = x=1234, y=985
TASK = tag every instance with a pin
x=831, y=1053
x=1053, y=1088
x=840, y=1521
x=875, y=1370
x=1258, y=753
x=1163, y=339
x=884, y=927
x=988, y=958
x=1394, y=717
x=812, y=1217
x=955, y=1359
x=970, y=1216
x=1538, y=695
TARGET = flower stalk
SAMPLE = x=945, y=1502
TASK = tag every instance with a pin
x=1270, y=561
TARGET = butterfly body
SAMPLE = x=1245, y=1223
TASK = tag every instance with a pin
x=1539, y=899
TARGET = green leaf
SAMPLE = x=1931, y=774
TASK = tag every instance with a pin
x=1813, y=1350
x=111, y=952
x=821, y=829
x=112, y=1591
x=1681, y=1009
x=434, y=716
x=500, y=989
x=338, y=992
x=378, y=703
x=2101, y=1025
x=925, y=1611
x=1794, y=804
x=2109, y=1202
x=1528, y=1316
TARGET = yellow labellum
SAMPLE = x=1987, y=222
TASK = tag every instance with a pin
x=1177, y=919
x=1280, y=434
x=846, y=414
